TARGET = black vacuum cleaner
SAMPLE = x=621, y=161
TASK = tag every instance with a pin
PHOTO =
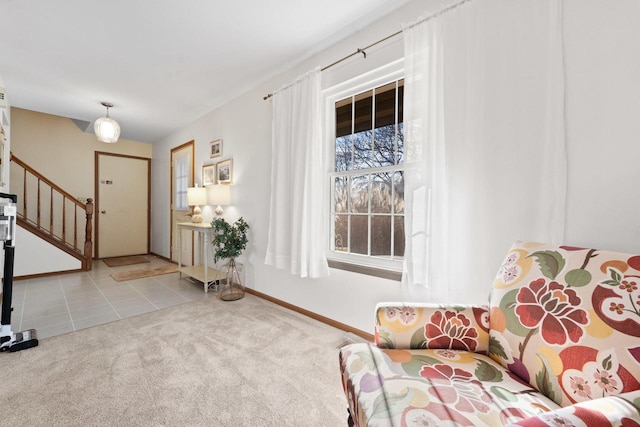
x=10, y=341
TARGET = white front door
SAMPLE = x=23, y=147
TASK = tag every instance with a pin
x=122, y=205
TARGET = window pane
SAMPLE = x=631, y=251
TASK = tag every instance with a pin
x=181, y=201
x=398, y=236
x=381, y=235
x=343, y=153
x=401, y=101
x=181, y=176
x=360, y=193
x=384, y=150
x=359, y=241
x=341, y=194
x=362, y=149
x=381, y=193
x=400, y=153
x=398, y=182
x=341, y=232
x=363, y=119
x=385, y=105
x=344, y=117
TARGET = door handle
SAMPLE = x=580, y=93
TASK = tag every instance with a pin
x=103, y=212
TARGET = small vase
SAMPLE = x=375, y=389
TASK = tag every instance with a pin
x=232, y=289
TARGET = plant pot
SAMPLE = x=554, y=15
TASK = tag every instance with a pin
x=232, y=288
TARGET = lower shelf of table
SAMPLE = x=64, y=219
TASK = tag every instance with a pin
x=197, y=272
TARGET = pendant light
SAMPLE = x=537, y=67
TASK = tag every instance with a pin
x=106, y=129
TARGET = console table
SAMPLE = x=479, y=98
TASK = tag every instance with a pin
x=202, y=272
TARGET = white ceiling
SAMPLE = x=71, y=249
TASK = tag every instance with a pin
x=163, y=64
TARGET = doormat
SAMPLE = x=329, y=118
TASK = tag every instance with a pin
x=125, y=260
x=139, y=274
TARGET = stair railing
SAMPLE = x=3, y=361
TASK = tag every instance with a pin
x=55, y=214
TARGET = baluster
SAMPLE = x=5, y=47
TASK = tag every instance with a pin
x=64, y=219
x=38, y=213
x=24, y=195
x=51, y=211
x=75, y=227
x=88, y=245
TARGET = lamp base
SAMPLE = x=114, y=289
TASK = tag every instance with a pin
x=219, y=211
x=197, y=215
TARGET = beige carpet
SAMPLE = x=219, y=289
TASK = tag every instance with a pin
x=206, y=363
x=125, y=260
x=147, y=272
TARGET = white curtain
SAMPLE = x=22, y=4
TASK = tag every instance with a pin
x=296, y=230
x=485, y=142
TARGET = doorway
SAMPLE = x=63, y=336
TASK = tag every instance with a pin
x=123, y=205
x=182, y=177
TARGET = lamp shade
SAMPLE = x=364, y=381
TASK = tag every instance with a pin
x=220, y=194
x=106, y=129
x=196, y=196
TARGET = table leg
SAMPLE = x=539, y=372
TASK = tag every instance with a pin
x=179, y=251
x=205, y=244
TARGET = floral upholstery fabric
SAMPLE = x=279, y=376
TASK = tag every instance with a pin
x=603, y=412
x=417, y=326
x=558, y=345
x=567, y=320
x=394, y=387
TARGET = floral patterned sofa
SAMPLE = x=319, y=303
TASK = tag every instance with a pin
x=558, y=345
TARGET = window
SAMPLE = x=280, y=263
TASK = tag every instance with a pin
x=367, y=181
x=182, y=182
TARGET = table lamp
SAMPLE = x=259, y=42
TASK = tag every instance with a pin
x=220, y=195
x=196, y=196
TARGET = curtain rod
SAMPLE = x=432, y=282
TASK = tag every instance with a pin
x=397, y=33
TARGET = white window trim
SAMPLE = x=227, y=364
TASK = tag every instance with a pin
x=386, y=74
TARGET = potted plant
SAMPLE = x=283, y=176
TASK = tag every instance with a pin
x=229, y=240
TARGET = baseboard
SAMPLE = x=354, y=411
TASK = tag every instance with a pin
x=52, y=273
x=311, y=314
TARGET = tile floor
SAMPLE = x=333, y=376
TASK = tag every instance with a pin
x=65, y=303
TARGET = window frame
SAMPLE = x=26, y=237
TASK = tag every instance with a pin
x=365, y=264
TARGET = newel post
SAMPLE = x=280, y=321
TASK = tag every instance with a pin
x=88, y=231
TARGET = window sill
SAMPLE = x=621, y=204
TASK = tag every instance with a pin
x=364, y=269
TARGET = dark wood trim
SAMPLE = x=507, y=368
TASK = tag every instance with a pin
x=97, y=196
x=51, y=273
x=311, y=314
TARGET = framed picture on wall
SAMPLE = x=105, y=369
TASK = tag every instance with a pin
x=225, y=171
x=208, y=175
x=215, y=148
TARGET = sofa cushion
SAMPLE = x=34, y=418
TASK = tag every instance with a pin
x=396, y=387
x=567, y=320
x=424, y=325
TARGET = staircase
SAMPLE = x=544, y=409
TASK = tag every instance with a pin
x=52, y=214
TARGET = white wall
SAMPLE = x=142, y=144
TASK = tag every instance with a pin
x=603, y=95
x=37, y=256
x=603, y=117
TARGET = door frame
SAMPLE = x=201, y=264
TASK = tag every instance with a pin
x=191, y=143
x=97, y=197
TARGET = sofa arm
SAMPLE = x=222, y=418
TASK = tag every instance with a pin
x=621, y=410
x=421, y=325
